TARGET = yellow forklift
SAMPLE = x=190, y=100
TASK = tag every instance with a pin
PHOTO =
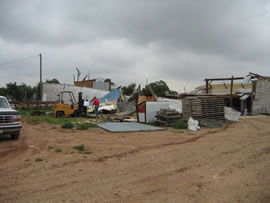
x=66, y=105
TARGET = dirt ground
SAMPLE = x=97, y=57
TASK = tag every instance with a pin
x=211, y=165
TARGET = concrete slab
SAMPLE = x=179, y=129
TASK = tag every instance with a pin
x=127, y=127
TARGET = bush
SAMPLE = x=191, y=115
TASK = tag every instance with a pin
x=180, y=124
x=67, y=125
x=85, y=126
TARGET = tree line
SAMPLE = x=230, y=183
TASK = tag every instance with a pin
x=23, y=92
x=159, y=87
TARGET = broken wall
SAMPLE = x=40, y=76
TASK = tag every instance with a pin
x=51, y=91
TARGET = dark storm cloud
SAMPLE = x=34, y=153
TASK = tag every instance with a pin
x=174, y=39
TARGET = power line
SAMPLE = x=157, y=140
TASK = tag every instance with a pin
x=17, y=60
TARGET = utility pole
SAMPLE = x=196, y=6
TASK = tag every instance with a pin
x=41, y=86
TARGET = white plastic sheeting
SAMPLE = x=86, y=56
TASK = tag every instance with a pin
x=173, y=103
x=193, y=124
x=231, y=114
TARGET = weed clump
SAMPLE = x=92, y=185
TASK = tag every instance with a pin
x=50, y=147
x=86, y=152
x=67, y=124
x=85, y=126
x=179, y=124
x=58, y=150
x=153, y=123
x=38, y=159
x=79, y=147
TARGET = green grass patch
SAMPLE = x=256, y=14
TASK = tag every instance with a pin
x=67, y=124
x=180, y=124
x=38, y=159
x=27, y=160
x=153, y=123
x=48, y=119
x=85, y=126
x=79, y=147
x=58, y=150
x=82, y=152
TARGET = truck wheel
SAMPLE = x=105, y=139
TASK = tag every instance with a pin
x=60, y=114
x=15, y=136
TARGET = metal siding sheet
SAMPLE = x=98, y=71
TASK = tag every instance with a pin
x=261, y=102
x=127, y=127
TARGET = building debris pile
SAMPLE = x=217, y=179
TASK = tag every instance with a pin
x=166, y=117
x=208, y=110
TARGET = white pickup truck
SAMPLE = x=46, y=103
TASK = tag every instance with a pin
x=10, y=120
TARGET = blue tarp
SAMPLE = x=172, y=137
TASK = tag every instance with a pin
x=114, y=94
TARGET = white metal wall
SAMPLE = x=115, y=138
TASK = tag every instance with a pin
x=50, y=91
x=261, y=102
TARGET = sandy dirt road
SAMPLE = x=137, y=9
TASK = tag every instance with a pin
x=211, y=165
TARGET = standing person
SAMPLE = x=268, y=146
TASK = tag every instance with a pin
x=96, y=104
x=85, y=106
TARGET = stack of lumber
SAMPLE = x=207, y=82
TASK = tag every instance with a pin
x=167, y=117
x=208, y=110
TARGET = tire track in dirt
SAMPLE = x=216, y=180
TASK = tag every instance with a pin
x=134, y=151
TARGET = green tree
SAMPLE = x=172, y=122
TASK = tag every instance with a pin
x=3, y=91
x=128, y=90
x=21, y=92
x=54, y=80
x=161, y=89
x=109, y=80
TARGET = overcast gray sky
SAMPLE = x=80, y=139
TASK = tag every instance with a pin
x=178, y=41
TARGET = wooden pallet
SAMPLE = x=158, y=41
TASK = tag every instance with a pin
x=206, y=109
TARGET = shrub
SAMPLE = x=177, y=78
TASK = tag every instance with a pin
x=180, y=124
x=67, y=124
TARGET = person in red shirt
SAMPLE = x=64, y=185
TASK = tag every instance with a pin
x=96, y=104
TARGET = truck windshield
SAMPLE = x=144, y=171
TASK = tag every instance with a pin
x=3, y=104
